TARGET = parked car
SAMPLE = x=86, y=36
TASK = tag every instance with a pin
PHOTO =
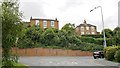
x=98, y=54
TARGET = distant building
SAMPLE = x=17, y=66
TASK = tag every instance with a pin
x=44, y=23
x=86, y=29
x=119, y=14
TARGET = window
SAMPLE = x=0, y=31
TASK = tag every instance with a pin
x=44, y=24
x=93, y=32
x=92, y=28
x=87, y=28
x=82, y=28
x=87, y=32
x=37, y=23
x=52, y=23
x=82, y=33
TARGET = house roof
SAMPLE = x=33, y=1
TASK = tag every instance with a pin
x=44, y=19
x=85, y=24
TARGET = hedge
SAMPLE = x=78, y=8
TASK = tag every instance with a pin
x=93, y=36
x=98, y=41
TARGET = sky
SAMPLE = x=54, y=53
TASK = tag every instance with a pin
x=73, y=11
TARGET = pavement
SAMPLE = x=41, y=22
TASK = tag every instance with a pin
x=65, y=61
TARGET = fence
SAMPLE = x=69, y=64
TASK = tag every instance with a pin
x=49, y=52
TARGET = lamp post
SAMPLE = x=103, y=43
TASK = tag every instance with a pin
x=103, y=24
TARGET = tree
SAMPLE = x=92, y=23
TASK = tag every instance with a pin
x=108, y=33
x=109, y=36
x=68, y=28
x=116, y=36
x=50, y=37
x=31, y=37
x=10, y=30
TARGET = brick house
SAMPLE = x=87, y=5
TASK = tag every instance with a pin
x=86, y=29
x=44, y=23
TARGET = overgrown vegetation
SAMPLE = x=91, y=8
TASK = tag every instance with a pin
x=65, y=38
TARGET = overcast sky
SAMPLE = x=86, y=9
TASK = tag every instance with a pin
x=72, y=11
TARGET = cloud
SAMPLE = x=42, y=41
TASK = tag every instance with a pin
x=71, y=4
x=73, y=11
x=34, y=9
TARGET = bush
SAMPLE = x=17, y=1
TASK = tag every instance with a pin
x=100, y=41
x=117, y=56
x=110, y=52
x=93, y=36
x=91, y=47
x=87, y=39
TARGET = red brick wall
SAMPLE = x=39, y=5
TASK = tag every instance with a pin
x=49, y=52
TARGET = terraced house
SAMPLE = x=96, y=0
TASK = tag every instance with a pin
x=86, y=29
x=44, y=23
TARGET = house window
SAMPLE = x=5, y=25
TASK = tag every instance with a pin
x=44, y=24
x=52, y=23
x=82, y=33
x=37, y=23
x=93, y=32
x=93, y=28
x=82, y=28
x=87, y=32
x=87, y=28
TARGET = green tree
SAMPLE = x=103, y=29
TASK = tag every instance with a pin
x=108, y=33
x=10, y=29
x=109, y=36
x=116, y=36
x=50, y=37
x=68, y=36
x=31, y=37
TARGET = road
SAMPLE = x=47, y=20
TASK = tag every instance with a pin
x=65, y=61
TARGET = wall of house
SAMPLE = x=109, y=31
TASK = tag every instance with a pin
x=78, y=30
x=56, y=23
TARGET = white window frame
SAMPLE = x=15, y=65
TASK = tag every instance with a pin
x=52, y=23
x=82, y=33
x=87, y=28
x=93, y=28
x=82, y=28
x=44, y=24
x=37, y=22
x=93, y=32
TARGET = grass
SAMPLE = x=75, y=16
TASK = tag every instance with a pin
x=16, y=65
x=19, y=65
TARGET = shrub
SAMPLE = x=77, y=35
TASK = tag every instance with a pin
x=87, y=39
x=91, y=47
x=94, y=36
x=110, y=52
x=117, y=56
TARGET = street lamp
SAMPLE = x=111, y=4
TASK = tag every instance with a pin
x=102, y=22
